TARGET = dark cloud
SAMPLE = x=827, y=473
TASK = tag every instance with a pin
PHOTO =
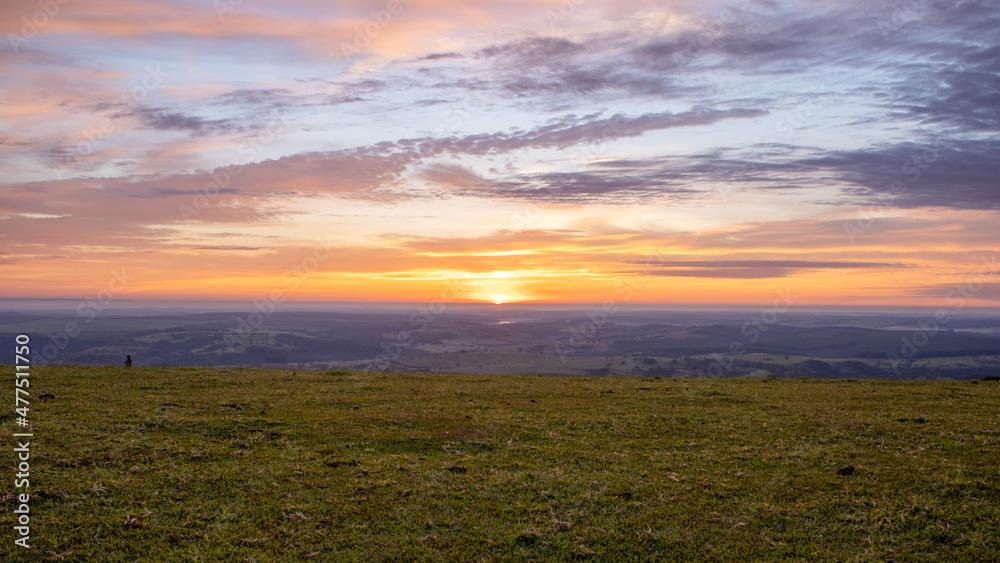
x=599, y=185
x=756, y=39
x=60, y=155
x=160, y=119
x=587, y=81
x=439, y=56
x=726, y=273
x=425, y=103
x=552, y=68
x=571, y=130
x=798, y=264
x=347, y=92
x=368, y=86
x=162, y=192
x=751, y=269
x=936, y=63
x=627, y=181
x=259, y=97
x=964, y=95
x=939, y=173
x=337, y=100
x=534, y=51
x=875, y=36
x=230, y=247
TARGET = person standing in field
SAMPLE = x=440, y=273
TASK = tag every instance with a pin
x=128, y=360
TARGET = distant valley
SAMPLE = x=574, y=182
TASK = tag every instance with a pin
x=525, y=340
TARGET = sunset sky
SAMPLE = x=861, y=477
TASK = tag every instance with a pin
x=513, y=151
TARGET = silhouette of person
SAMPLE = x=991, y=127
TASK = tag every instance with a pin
x=128, y=360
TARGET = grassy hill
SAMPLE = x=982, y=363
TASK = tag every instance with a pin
x=189, y=464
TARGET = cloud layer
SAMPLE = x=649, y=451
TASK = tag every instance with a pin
x=849, y=147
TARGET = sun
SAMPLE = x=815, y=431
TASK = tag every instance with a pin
x=499, y=298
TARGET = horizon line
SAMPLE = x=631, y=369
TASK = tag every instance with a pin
x=62, y=303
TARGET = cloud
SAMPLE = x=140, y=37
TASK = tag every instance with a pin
x=160, y=119
x=439, y=56
x=959, y=174
x=337, y=100
x=533, y=51
x=549, y=69
x=230, y=247
x=367, y=86
x=426, y=103
x=260, y=192
x=593, y=186
x=59, y=155
x=453, y=175
x=798, y=264
x=628, y=181
x=270, y=97
x=571, y=130
x=752, y=269
x=964, y=95
x=606, y=183
x=261, y=101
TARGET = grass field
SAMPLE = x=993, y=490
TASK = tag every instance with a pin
x=185, y=464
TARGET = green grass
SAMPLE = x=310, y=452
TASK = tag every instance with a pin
x=185, y=464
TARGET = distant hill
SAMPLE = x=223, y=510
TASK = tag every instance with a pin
x=461, y=343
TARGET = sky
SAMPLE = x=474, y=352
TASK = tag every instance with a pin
x=531, y=151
